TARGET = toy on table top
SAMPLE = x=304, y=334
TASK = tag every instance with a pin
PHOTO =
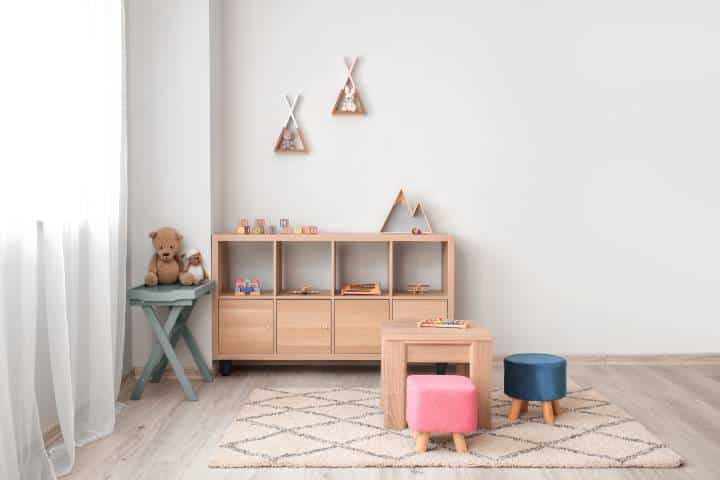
x=166, y=265
x=442, y=322
x=306, y=290
x=284, y=223
x=418, y=288
x=370, y=288
x=194, y=267
x=247, y=287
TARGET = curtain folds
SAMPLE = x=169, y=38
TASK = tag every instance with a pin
x=62, y=227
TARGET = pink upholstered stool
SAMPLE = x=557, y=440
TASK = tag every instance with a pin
x=441, y=403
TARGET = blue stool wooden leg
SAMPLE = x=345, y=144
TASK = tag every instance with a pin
x=159, y=369
x=157, y=351
x=167, y=348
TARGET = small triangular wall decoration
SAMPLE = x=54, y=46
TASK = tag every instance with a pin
x=291, y=139
x=348, y=101
x=402, y=218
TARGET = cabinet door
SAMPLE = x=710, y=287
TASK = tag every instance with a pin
x=246, y=326
x=357, y=325
x=418, y=309
x=303, y=326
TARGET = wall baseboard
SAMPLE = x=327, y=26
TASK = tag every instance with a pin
x=593, y=360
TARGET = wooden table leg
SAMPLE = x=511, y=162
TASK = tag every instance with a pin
x=157, y=352
x=394, y=373
x=480, y=366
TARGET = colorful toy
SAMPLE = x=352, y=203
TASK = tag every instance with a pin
x=313, y=229
x=284, y=223
x=244, y=222
x=416, y=231
x=247, y=287
x=259, y=222
x=442, y=322
x=297, y=230
x=270, y=229
x=287, y=230
x=258, y=230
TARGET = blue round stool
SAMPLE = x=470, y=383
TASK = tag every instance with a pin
x=537, y=377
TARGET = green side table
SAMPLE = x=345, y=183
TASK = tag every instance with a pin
x=181, y=300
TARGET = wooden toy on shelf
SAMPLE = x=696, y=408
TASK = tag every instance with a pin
x=418, y=288
x=297, y=230
x=306, y=290
x=442, y=322
x=287, y=230
x=284, y=223
x=413, y=220
x=291, y=138
x=371, y=288
x=348, y=101
x=243, y=227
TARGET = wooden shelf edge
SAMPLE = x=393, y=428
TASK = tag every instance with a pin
x=298, y=356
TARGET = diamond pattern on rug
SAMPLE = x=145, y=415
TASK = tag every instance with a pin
x=343, y=427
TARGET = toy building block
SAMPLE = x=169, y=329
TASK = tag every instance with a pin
x=270, y=229
x=297, y=229
x=241, y=230
x=284, y=222
x=287, y=230
x=313, y=229
x=305, y=229
x=244, y=222
x=257, y=230
x=259, y=222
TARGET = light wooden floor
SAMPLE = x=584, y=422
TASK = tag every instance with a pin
x=164, y=437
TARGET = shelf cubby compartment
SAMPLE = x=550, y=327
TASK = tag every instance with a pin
x=301, y=264
x=362, y=262
x=246, y=260
x=420, y=262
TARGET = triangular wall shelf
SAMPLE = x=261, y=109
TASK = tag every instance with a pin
x=291, y=139
x=410, y=217
x=348, y=101
x=289, y=136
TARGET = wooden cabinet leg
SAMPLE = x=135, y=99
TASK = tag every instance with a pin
x=421, y=441
x=459, y=440
x=547, y=410
x=515, y=408
x=556, y=407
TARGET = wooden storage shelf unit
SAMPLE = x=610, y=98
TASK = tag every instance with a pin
x=281, y=326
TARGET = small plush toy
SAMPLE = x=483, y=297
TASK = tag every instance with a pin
x=195, y=268
x=348, y=103
x=288, y=140
x=166, y=265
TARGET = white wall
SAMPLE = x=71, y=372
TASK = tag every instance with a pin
x=571, y=149
x=169, y=143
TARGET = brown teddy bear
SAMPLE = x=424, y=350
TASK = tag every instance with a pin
x=166, y=266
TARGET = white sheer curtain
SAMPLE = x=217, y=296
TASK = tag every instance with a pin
x=62, y=217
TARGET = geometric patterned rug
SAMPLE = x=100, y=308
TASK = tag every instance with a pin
x=343, y=427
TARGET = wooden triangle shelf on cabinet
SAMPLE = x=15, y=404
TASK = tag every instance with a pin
x=282, y=326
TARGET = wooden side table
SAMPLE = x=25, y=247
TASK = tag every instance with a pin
x=181, y=300
x=404, y=342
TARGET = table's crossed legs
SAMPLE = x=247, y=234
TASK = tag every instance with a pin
x=164, y=351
